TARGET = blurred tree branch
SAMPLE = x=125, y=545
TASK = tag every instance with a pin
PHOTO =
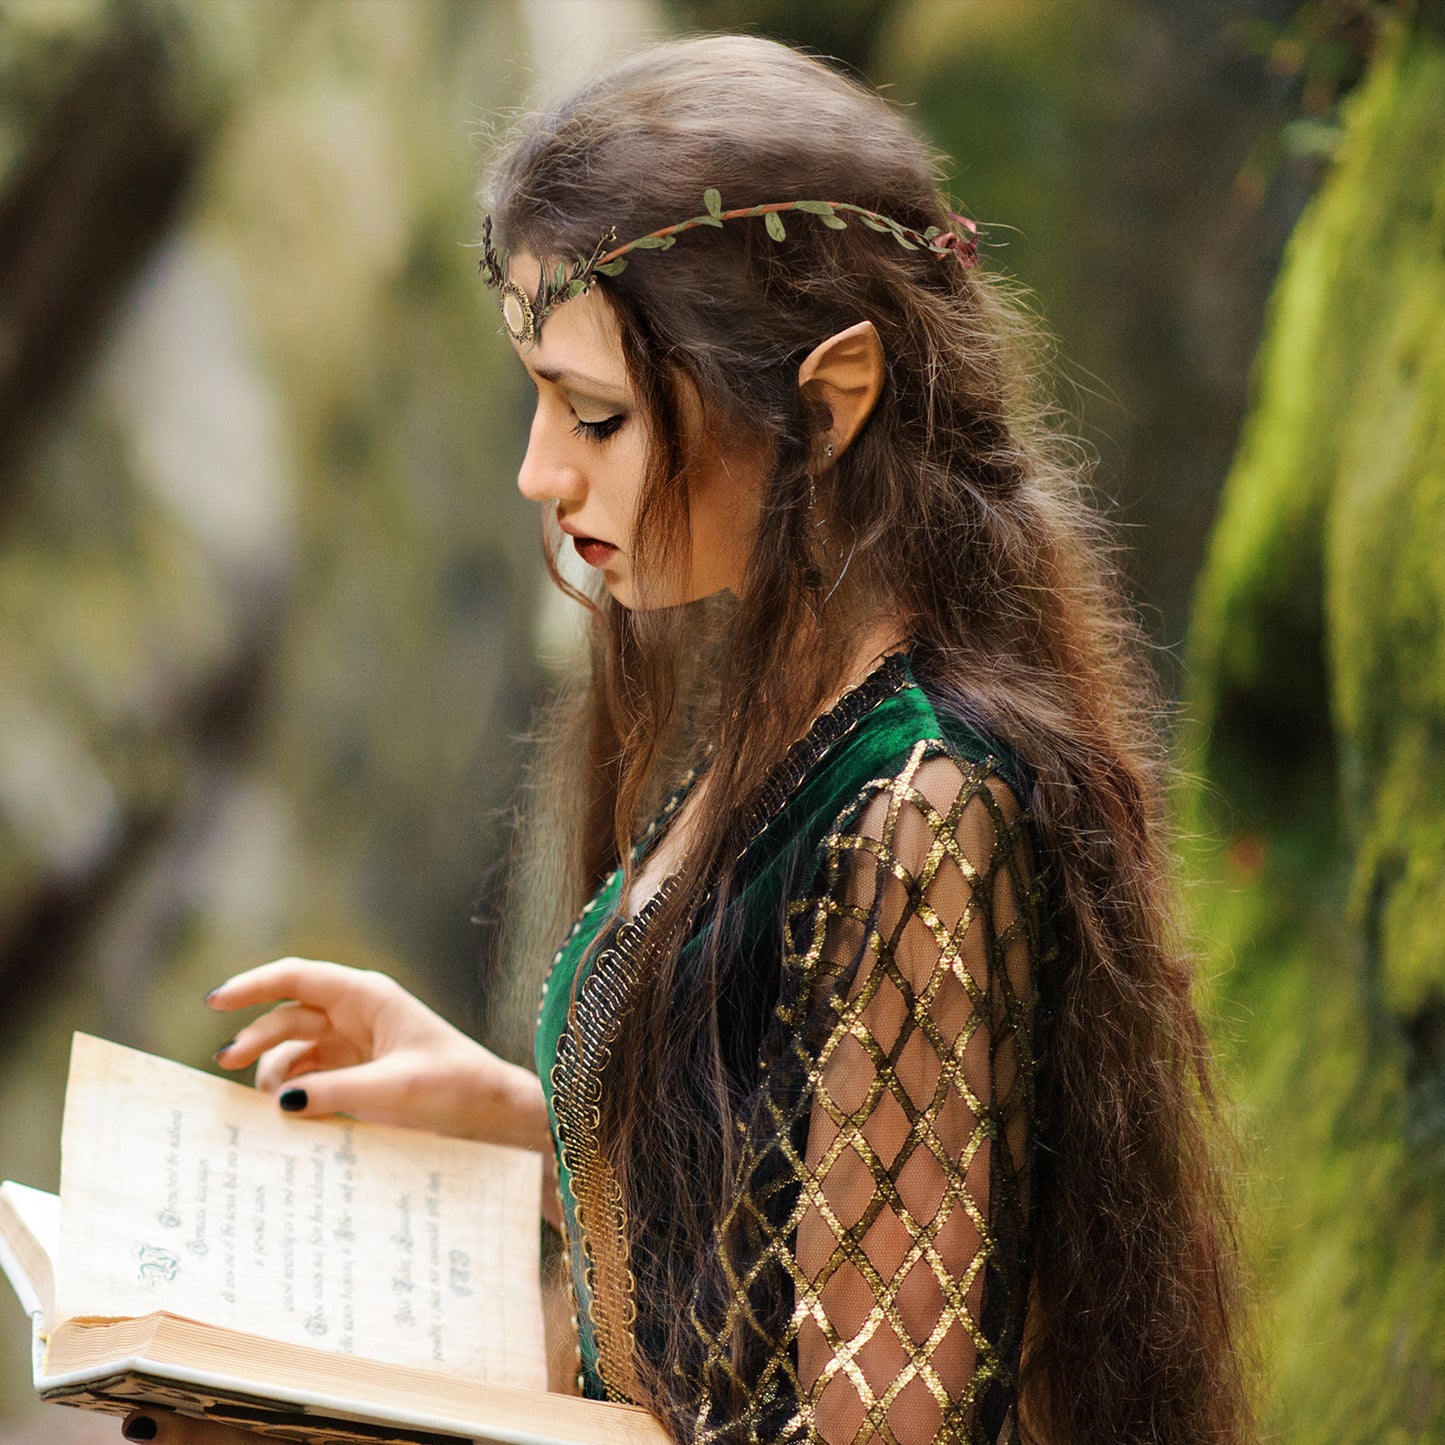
x=102, y=172
x=1325, y=46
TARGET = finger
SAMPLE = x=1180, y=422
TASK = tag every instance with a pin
x=379, y=1091
x=296, y=1056
x=140, y=1425
x=322, y=1056
x=307, y=980
x=285, y=1021
x=164, y=1427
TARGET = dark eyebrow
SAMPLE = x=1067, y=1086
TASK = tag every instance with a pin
x=574, y=378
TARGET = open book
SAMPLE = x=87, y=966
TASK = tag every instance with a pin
x=315, y=1280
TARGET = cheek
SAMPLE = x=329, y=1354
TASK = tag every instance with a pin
x=725, y=502
x=625, y=469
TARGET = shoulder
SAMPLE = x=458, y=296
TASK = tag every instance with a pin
x=939, y=800
x=899, y=740
x=890, y=765
x=933, y=842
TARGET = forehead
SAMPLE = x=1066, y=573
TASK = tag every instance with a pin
x=581, y=335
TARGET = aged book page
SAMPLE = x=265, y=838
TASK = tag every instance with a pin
x=29, y=1241
x=193, y=1195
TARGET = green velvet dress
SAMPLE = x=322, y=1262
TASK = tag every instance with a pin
x=871, y=1261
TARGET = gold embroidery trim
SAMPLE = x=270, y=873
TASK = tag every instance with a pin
x=583, y=1053
x=585, y=1048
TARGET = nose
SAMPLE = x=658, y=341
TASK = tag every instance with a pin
x=546, y=473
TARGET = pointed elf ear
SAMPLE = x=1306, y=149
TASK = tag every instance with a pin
x=845, y=373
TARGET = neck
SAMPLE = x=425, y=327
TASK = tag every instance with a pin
x=863, y=648
x=866, y=650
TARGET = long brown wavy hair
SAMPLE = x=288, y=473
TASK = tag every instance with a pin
x=969, y=526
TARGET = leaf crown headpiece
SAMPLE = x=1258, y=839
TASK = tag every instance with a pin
x=523, y=315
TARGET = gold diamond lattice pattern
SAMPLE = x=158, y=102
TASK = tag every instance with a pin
x=872, y=1263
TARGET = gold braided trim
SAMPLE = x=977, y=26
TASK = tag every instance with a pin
x=581, y=1122
x=583, y=1053
x=585, y=1049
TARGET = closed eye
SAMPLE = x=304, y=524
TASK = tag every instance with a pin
x=598, y=431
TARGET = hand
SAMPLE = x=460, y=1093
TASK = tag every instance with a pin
x=353, y=1041
x=167, y=1428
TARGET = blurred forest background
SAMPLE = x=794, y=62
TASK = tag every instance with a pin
x=272, y=615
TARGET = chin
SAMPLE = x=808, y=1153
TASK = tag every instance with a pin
x=624, y=594
x=621, y=593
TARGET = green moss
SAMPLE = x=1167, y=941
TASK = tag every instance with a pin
x=1257, y=629
x=1318, y=667
x=1386, y=538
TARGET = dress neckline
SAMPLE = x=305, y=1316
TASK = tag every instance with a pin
x=889, y=675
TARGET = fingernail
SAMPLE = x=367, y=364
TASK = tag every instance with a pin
x=293, y=1100
x=222, y=1050
x=212, y=993
x=141, y=1428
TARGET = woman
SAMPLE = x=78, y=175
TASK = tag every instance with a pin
x=869, y=1065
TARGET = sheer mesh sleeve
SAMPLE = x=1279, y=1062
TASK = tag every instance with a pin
x=888, y=1183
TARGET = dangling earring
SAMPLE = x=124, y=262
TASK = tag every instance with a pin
x=812, y=574
x=812, y=577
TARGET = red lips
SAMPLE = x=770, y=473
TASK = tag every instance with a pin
x=592, y=550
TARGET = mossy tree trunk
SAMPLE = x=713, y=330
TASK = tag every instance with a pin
x=1318, y=752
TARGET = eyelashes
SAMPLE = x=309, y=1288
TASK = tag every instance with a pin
x=593, y=431
x=598, y=431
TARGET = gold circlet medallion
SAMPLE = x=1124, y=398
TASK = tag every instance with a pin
x=517, y=314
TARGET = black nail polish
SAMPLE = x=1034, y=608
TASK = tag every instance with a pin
x=222, y=1049
x=293, y=1100
x=141, y=1428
